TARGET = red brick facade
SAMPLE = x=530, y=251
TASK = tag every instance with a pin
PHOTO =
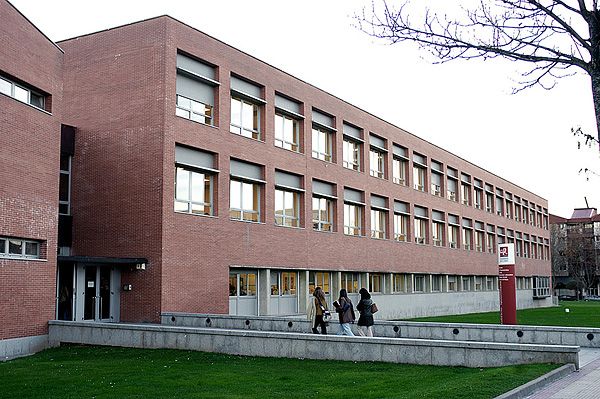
x=29, y=160
x=120, y=93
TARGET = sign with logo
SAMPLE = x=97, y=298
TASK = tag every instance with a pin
x=506, y=254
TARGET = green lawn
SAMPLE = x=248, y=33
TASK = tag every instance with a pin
x=103, y=372
x=581, y=314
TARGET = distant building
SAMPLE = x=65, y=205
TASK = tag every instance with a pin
x=575, y=243
x=152, y=168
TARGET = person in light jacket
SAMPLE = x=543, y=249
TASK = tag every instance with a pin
x=365, y=321
x=316, y=309
x=345, y=310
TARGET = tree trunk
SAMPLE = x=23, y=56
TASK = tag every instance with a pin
x=595, y=76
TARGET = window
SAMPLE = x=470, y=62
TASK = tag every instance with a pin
x=352, y=147
x=378, y=223
x=489, y=199
x=193, y=191
x=288, y=114
x=509, y=208
x=323, y=136
x=466, y=283
x=419, y=178
x=478, y=198
x=353, y=212
x=436, y=184
x=244, y=201
x=378, y=217
x=436, y=283
x=437, y=233
x=500, y=206
x=490, y=244
x=195, y=90
x=400, y=282
x=242, y=284
x=377, y=156
x=377, y=163
x=64, y=187
x=322, y=209
x=399, y=171
x=400, y=227
x=322, y=144
x=287, y=132
x=21, y=93
x=318, y=279
x=453, y=231
x=246, y=105
x=419, y=172
x=452, y=186
x=287, y=208
x=19, y=248
x=420, y=231
x=489, y=283
x=194, y=181
x=283, y=283
x=452, y=283
x=245, y=118
x=467, y=237
x=351, y=282
x=465, y=194
x=352, y=219
x=376, y=282
x=479, y=241
x=478, y=283
x=351, y=154
x=541, y=287
x=419, y=283
x=517, y=212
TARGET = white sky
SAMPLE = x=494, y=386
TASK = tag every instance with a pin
x=463, y=107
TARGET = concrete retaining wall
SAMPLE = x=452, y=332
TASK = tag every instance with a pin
x=579, y=336
x=295, y=345
x=17, y=347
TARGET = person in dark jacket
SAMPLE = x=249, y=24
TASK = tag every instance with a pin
x=345, y=310
x=365, y=321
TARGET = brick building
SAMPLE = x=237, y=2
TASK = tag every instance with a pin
x=575, y=244
x=197, y=178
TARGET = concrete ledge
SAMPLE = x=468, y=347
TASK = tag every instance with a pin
x=579, y=336
x=527, y=389
x=302, y=345
x=25, y=346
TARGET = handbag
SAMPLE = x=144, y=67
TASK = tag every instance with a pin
x=327, y=316
x=374, y=308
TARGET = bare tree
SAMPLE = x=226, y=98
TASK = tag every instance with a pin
x=556, y=37
x=574, y=254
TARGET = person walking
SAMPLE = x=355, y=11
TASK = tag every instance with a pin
x=346, y=312
x=319, y=307
x=365, y=321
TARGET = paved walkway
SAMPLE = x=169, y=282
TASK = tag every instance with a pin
x=582, y=384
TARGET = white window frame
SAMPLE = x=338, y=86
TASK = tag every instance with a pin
x=5, y=248
x=189, y=202
x=357, y=211
x=318, y=223
x=280, y=140
x=242, y=211
x=254, y=134
x=401, y=224
x=378, y=224
x=324, y=154
x=351, y=154
x=399, y=166
x=29, y=92
x=376, y=163
x=189, y=112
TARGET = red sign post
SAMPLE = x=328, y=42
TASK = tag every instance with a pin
x=508, y=289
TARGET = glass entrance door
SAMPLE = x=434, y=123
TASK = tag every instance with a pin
x=96, y=286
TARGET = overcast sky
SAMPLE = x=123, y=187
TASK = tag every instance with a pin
x=463, y=107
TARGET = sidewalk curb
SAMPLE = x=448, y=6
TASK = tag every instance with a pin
x=527, y=389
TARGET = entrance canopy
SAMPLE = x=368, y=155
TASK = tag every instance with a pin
x=104, y=260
